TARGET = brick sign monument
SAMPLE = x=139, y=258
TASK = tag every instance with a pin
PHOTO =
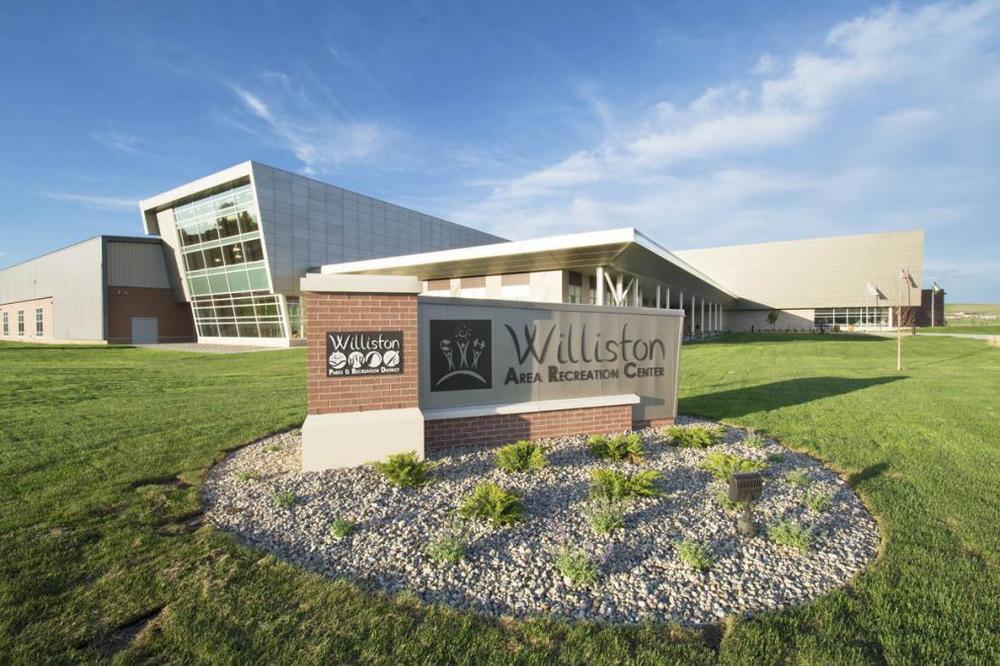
x=391, y=371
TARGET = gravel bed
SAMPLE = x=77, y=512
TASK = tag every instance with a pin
x=510, y=571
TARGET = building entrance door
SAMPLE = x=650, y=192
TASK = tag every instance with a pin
x=145, y=330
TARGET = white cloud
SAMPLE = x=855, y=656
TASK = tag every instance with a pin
x=98, y=201
x=124, y=143
x=323, y=141
x=691, y=173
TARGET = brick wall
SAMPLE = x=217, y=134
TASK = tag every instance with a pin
x=504, y=428
x=174, y=320
x=360, y=312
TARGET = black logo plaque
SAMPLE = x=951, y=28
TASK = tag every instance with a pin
x=353, y=353
x=461, y=353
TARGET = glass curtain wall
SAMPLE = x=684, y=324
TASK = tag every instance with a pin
x=870, y=317
x=224, y=267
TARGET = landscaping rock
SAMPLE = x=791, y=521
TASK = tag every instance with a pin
x=510, y=570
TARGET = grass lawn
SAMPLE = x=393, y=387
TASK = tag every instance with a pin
x=102, y=451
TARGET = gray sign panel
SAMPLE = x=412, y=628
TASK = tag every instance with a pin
x=479, y=352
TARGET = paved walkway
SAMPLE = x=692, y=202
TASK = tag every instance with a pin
x=972, y=336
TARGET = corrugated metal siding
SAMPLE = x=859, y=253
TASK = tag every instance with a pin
x=137, y=264
x=72, y=277
x=817, y=273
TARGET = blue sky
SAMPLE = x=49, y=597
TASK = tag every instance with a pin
x=701, y=123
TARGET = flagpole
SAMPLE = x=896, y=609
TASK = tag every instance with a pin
x=899, y=321
x=933, y=298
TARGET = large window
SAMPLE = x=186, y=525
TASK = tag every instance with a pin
x=6, y=324
x=240, y=315
x=870, y=317
x=39, y=322
x=224, y=266
x=20, y=323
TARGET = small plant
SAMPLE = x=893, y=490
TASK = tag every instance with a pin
x=816, y=501
x=272, y=448
x=798, y=477
x=722, y=497
x=791, y=534
x=490, y=502
x=604, y=515
x=620, y=447
x=754, y=441
x=246, y=477
x=449, y=546
x=521, y=456
x=776, y=457
x=695, y=555
x=575, y=564
x=693, y=437
x=723, y=465
x=341, y=527
x=616, y=486
x=405, y=470
x=284, y=500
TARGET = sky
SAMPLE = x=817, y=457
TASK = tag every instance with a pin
x=700, y=123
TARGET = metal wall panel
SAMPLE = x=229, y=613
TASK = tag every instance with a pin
x=306, y=223
x=73, y=278
x=817, y=273
x=136, y=264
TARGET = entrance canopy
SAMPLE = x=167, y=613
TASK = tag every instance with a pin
x=622, y=259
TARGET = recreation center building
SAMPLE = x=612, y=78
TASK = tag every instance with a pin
x=222, y=259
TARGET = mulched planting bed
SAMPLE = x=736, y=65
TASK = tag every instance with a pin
x=259, y=494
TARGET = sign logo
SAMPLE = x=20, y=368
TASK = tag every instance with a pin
x=351, y=353
x=461, y=354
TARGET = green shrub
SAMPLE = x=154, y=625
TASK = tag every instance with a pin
x=284, y=500
x=695, y=555
x=575, y=564
x=616, y=486
x=798, y=477
x=791, y=534
x=490, y=502
x=693, y=437
x=755, y=441
x=620, y=447
x=521, y=456
x=776, y=457
x=449, y=546
x=816, y=501
x=722, y=497
x=244, y=477
x=341, y=527
x=604, y=515
x=272, y=448
x=723, y=465
x=405, y=470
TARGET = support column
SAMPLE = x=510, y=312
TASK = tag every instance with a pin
x=703, y=316
x=657, y=295
x=599, y=278
x=693, y=302
x=668, y=298
x=355, y=418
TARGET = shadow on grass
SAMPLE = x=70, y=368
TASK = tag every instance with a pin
x=765, y=397
x=867, y=474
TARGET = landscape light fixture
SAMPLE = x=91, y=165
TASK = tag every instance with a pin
x=745, y=487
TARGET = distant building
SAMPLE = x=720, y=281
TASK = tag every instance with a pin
x=225, y=253
x=115, y=289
